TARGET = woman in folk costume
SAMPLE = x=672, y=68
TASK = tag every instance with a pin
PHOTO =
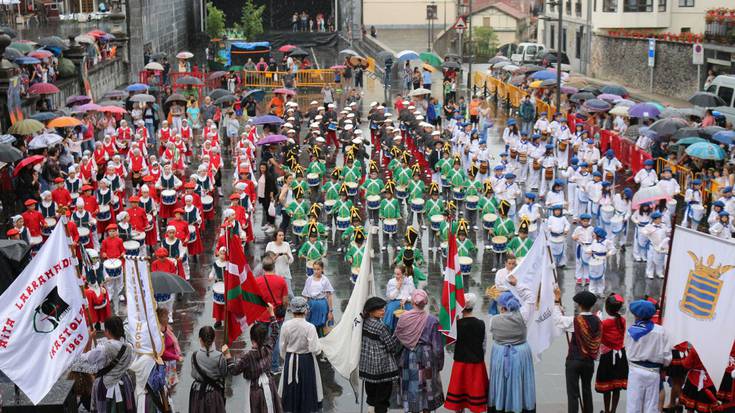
x=319, y=293
x=193, y=216
x=113, y=388
x=255, y=365
x=209, y=370
x=468, y=383
x=726, y=393
x=398, y=293
x=422, y=358
x=300, y=385
x=699, y=393
x=612, y=370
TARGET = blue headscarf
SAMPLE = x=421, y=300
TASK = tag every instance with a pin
x=643, y=310
x=509, y=301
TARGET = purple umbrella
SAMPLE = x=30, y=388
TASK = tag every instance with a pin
x=77, y=100
x=643, y=110
x=88, y=107
x=267, y=120
x=272, y=139
x=569, y=90
x=609, y=97
x=596, y=105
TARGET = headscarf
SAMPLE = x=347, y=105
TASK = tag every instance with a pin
x=509, y=301
x=470, y=299
x=411, y=323
x=643, y=310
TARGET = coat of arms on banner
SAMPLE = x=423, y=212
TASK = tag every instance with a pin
x=703, y=287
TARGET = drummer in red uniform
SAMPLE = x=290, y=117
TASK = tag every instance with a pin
x=113, y=249
x=164, y=264
x=97, y=298
x=60, y=194
x=33, y=219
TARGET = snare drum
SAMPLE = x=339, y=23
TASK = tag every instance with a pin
x=401, y=192
x=373, y=201
x=445, y=249
x=355, y=272
x=488, y=221
x=312, y=179
x=606, y=213
x=113, y=267
x=417, y=205
x=472, y=201
x=49, y=228
x=536, y=165
x=132, y=248
x=352, y=188
x=458, y=194
x=207, y=203
x=83, y=235
x=465, y=265
x=697, y=212
x=616, y=224
x=671, y=206
x=436, y=222
x=390, y=226
x=298, y=226
x=343, y=223
x=36, y=243
x=309, y=268
x=329, y=205
x=563, y=145
x=218, y=292
x=192, y=234
x=139, y=236
x=104, y=214
x=445, y=182
x=500, y=244
x=168, y=197
x=522, y=158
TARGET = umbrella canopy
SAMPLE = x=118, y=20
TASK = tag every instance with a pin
x=596, y=105
x=189, y=81
x=529, y=68
x=12, y=54
x=115, y=94
x=77, y=100
x=10, y=32
x=143, y=97
x=670, y=113
x=614, y=90
x=535, y=84
x=40, y=54
x=272, y=139
x=548, y=83
x=407, y=55
x=286, y=48
x=43, y=88
x=9, y=154
x=625, y=102
x=450, y=64
x=349, y=52
x=706, y=100
x=285, y=91
x=706, y=150
x=218, y=93
x=267, y=120
x=581, y=96
x=184, y=55
x=257, y=94
x=85, y=38
x=44, y=140
x=693, y=111
x=154, y=66
x=632, y=131
x=88, y=107
x=176, y=97
x=26, y=60
x=726, y=137
x=649, y=194
x=21, y=47
x=384, y=55
x=167, y=283
x=431, y=58
x=419, y=92
x=509, y=68
x=643, y=110
x=28, y=161
x=338, y=67
x=569, y=90
x=428, y=67
x=225, y=100
x=25, y=127
x=519, y=79
x=113, y=109
x=669, y=126
x=137, y=87
x=298, y=52
x=543, y=75
x=64, y=122
x=710, y=131
x=216, y=75
x=7, y=139
x=609, y=97
x=686, y=132
x=234, y=68
x=158, y=55
x=690, y=141
x=54, y=41
x=497, y=59
x=357, y=61
x=44, y=116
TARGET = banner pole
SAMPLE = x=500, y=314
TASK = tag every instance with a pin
x=662, y=303
x=227, y=267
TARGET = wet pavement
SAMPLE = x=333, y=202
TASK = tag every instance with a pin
x=194, y=311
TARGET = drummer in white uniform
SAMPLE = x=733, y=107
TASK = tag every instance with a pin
x=695, y=210
x=563, y=137
x=609, y=166
x=583, y=236
x=668, y=183
x=658, y=235
x=647, y=176
x=558, y=227
x=619, y=222
x=531, y=210
x=641, y=217
x=556, y=195
x=571, y=176
x=597, y=254
x=728, y=200
x=714, y=214
x=724, y=227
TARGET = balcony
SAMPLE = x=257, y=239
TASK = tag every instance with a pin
x=720, y=27
x=630, y=14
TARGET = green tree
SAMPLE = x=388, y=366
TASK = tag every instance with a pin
x=215, y=21
x=251, y=22
x=485, y=40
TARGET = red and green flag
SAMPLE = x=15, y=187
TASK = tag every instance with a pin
x=452, y=292
x=243, y=302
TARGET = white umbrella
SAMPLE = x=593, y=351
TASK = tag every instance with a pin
x=184, y=55
x=619, y=111
x=419, y=92
x=44, y=140
x=84, y=38
x=154, y=66
x=143, y=98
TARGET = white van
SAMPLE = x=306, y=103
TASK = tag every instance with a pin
x=724, y=87
x=526, y=53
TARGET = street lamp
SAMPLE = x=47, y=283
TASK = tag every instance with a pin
x=558, y=5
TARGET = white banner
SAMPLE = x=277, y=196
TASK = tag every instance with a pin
x=536, y=272
x=342, y=345
x=143, y=330
x=43, y=326
x=699, y=305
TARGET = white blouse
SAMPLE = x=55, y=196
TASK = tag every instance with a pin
x=283, y=262
x=298, y=336
x=392, y=292
x=317, y=289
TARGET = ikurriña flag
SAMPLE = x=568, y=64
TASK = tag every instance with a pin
x=452, y=291
x=243, y=301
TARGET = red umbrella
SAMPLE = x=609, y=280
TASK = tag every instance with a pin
x=285, y=91
x=96, y=33
x=43, y=89
x=40, y=54
x=112, y=109
x=286, y=48
x=29, y=161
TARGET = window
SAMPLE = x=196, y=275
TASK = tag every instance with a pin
x=530, y=51
x=578, y=8
x=563, y=44
x=552, y=36
x=486, y=21
x=662, y=5
x=569, y=7
x=578, y=43
x=686, y=3
x=726, y=94
x=638, y=6
x=610, y=6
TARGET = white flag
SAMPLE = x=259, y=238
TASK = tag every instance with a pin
x=699, y=305
x=535, y=272
x=143, y=330
x=44, y=327
x=342, y=345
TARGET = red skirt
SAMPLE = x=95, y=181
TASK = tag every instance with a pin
x=196, y=247
x=209, y=215
x=167, y=211
x=467, y=387
x=218, y=312
x=151, y=236
x=725, y=394
x=699, y=400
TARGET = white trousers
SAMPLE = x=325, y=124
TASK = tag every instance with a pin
x=642, y=394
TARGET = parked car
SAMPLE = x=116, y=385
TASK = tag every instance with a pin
x=549, y=57
x=724, y=87
x=527, y=52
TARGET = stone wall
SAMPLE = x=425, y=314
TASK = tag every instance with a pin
x=625, y=61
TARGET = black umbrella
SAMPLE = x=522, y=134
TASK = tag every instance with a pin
x=449, y=64
x=709, y=131
x=218, y=93
x=189, y=81
x=115, y=94
x=9, y=153
x=580, y=96
x=44, y=116
x=54, y=41
x=682, y=133
x=167, y=283
x=590, y=89
x=176, y=97
x=668, y=126
x=10, y=32
x=225, y=100
x=14, y=256
x=706, y=100
x=298, y=52
x=632, y=132
x=158, y=55
x=384, y=55
x=12, y=54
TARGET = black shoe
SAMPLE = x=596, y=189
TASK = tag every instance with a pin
x=217, y=324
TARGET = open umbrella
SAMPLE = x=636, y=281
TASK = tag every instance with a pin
x=349, y=52
x=625, y=102
x=216, y=75
x=85, y=38
x=706, y=100
x=44, y=116
x=12, y=54
x=419, y=92
x=668, y=126
x=234, y=68
x=338, y=67
x=581, y=96
x=167, y=283
x=21, y=47
x=189, y=81
x=706, y=150
x=431, y=58
x=686, y=132
x=614, y=90
x=407, y=55
x=286, y=48
x=158, y=55
x=257, y=94
x=726, y=137
x=26, y=60
x=596, y=105
x=649, y=194
x=267, y=120
x=428, y=67
x=535, y=84
x=710, y=131
x=54, y=41
x=176, y=97
x=64, y=122
x=88, y=107
x=137, y=87
x=619, y=111
x=9, y=154
x=519, y=79
x=548, y=83
x=643, y=110
x=113, y=109
x=154, y=66
x=530, y=68
x=271, y=139
x=609, y=97
x=298, y=52
x=285, y=91
x=225, y=100
x=569, y=90
x=218, y=93
x=96, y=33
x=509, y=68
x=670, y=113
x=7, y=138
x=118, y=103
x=357, y=61
x=543, y=75
x=77, y=100
x=497, y=59
x=25, y=127
x=40, y=54
x=43, y=88
x=143, y=97
x=690, y=141
x=450, y=64
x=693, y=111
x=44, y=140
x=10, y=32
x=184, y=55
x=28, y=161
